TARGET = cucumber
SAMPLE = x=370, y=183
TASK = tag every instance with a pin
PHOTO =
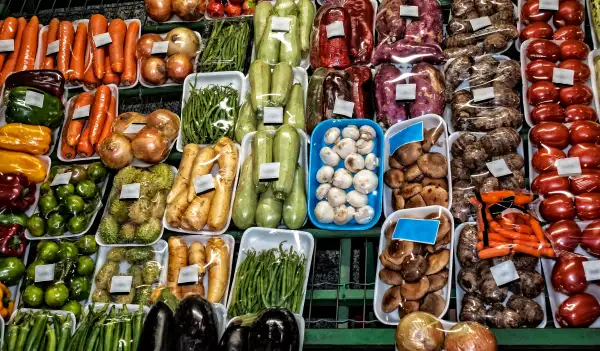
x=294, y=110
x=268, y=210
x=263, y=11
x=246, y=122
x=268, y=48
x=286, y=149
x=262, y=152
x=260, y=84
x=294, y=206
x=285, y=7
x=289, y=51
x=281, y=84
x=305, y=22
x=246, y=198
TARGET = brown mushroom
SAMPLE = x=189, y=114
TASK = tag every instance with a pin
x=415, y=201
x=444, y=227
x=394, y=163
x=433, y=164
x=438, y=281
x=391, y=277
x=441, y=243
x=415, y=291
x=441, y=182
x=391, y=299
x=435, y=195
x=408, y=307
x=413, y=268
x=394, y=178
x=394, y=253
x=431, y=136
x=408, y=154
x=413, y=174
x=410, y=190
x=389, y=231
x=433, y=303
x=397, y=200
x=437, y=261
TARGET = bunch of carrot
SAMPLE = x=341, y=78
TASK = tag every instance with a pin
x=82, y=136
x=25, y=35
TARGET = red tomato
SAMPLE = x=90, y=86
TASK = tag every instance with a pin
x=584, y=132
x=574, y=49
x=588, y=206
x=578, y=311
x=215, y=9
x=590, y=240
x=549, y=182
x=542, y=49
x=233, y=10
x=587, y=182
x=580, y=113
x=249, y=8
x=549, y=134
x=556, y=207
x=547, y=113
x=530, y=12
x=544, y=159
x=569, y=13
x=542, y=92
x=569, y=32
x=539, y=70
x=568, y=276
x=539, y=30
x=581, y=71
x=579, y=93
x=234, y=2
x=588, y=153
x=564, y=235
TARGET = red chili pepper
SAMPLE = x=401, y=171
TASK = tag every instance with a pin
x=334, y=52
x=359, y=77
x=16, y=192
x=12, y=240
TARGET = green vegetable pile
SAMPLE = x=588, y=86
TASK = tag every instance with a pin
x=40, y=330
x=68, y=208
x=269, y=278
x=209, y=114
x=137, y=221
x=226, y=47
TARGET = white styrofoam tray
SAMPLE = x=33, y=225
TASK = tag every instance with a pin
x=1, y=331
x=593, y=74
x=429, y=121
x=57, y=312
x=393, y=318
x=261, y=239
x=540, y=299
x=69, y=111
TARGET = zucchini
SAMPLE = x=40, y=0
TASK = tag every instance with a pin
x=289, y=51
x=268, y=210
x=246, y=198
x=268, y=48
x=263, y=11
x=286, y=149
x=294, y=110
x=246, y=122
x=262, y=152
x=261, y=126
x=281, y=84
x=305, y=22
x=260, y=84
x=285, y=7
x=294, y=206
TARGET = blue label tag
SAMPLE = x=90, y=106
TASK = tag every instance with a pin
x=407, y=135
x=417, y=230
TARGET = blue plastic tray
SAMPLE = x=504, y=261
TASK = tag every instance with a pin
x=316, y=143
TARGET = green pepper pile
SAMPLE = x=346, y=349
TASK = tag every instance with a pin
x=40, y=330
x=48, y=113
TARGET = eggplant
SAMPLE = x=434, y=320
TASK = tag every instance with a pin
x=235, y=337
x=50, y=81
x=157, y=330
x=195, y=325
x=275, y=329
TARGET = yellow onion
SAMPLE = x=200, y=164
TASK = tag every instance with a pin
x=159, y=10
x=143, y=48
x=470, y=336
x=166, y=122
x=189, y=10
x=126, y=119
x=178, y=67
x=150, y=146
x=183, y=41
x=419, y=331
x=154, y=70
x=115, y=151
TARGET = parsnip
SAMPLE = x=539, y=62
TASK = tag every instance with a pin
x=176, y=209
x=190, y=151
x=203, y=163
x=197, y=256
x=228, y=162
x=217, y=256
x=196, y=215
x=178, y=253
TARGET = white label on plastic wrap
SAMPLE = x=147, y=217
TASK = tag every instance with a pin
x=592, y=270
x=204, y=183
x=335, y=29
x=409, y=11
x=551, y=5
x=481, y=22
x=406, y=92
x=483, y=94
x=498, y=168
x=159, y=47
x=188, y=274
x=268, y=172
x=130, y=191
x=343, y=107
x=134, y=128
x=82, y=112
x=33, y=98
x=563, y=76
x=273, y=115
x=52, y=48
x=280, y=24
x=504, y=272
x=121, y=284
x=61, y=179
x=7, y=45
x=102, y=39
x=44, y=273
x=568, y=167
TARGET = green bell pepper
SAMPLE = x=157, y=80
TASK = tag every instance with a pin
x=18, y=111
x=11, y=270
x=8, y=219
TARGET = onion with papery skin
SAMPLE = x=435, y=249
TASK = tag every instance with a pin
x=154, y=70
x=178, y=67
x=159, y=10
x=183, y=41
x=419, y=331
x=150, y=146
x=143, y=48
x=166, y=122
x=115, y=151
x=126, y=119
x=189, y=10
x=470, y=336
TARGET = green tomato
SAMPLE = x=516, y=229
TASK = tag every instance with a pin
x=74, y=307
x=97, y=172
x=87, y=245
x=56, y=224
x=54, y=171
x=77, y=224
x=78, y=174
x=47, y=204
x=79, y=288
x=87, y=189
x=30, y=277
x=56, y=295
x=62, y=191
x=45, y=188
x=33, y=296
x=73, y=204
x=36, y=225
x=85, y=266
x=67, y=250
x=48, y=251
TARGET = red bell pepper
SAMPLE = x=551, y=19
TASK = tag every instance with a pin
x=12, y=240
x=334, y=52
x=16, y=192
x=361, y=21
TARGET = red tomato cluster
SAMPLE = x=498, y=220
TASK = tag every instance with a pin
x=232, y=8
x=567, y=21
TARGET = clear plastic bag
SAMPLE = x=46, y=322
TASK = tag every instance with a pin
x=226, y=47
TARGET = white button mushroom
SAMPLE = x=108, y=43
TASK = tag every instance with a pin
x=342, y=178
x=367, y=133
x=357, y=199
x=351, y=132
x=329, y=157
x=364, y=215
x=364, y=181
x=325, y=174
x=322, y=191
x=354, y=162
x=371, y=161
x=324, y=212
x=343, y=214
x=345, y=147
x=332, y=136
x=336, y=197
x=364, y=146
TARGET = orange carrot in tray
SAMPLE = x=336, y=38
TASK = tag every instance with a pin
x=110, y=117
x=89, y=78
x=117, y=29
x=533, y=244
x=497, y=244
x=85, y=147
x=9, y=31
x=65, y=47
x=527, y=250
x=77, y=61
x=98, y=113
x=98, y=24
x=496, y=196
x=11, y=61
x=76, y=126
x=28, y=49
x=67, y=151
x=48, y=61
x=129, y=65
x=110, y=77
x=493, y=252
x=494, y=237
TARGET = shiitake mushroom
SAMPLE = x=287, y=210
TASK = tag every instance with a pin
x=433, y=303
x=408, y=307
x=414, y=268
x=438, y=281
x=391, y=277
x=391, y=299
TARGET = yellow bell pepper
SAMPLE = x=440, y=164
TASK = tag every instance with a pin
x=33, y=167
x=23, y=137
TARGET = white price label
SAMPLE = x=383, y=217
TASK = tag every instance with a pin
x=268, y=172
x=483, y=94
x=134, y=128
x=406, y=92
x=130, y=191
x=102, y=39
x=61, y=179
x=188, y=274
x=33, y=98
x=568, y=167
x=551, y=5
x=52, y=48
x=44, y=273
x=280, y=24
x=7, y=45
x=204, y=183
x=160, y=47
x=498, y=168
x=592, y=270
x=481, y=22
x=273, y=115
x=343, y=107
x=335, y=29
x=563, y=76
x=409, y=11
x=504, y=272
x=121, y=284
x=82, y=112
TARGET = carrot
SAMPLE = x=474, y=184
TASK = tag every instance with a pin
x=67, y=151
x=110, y=77
x=77, y=61
x=129, y=66
x=9, y=31
x=493, y=252
x=76, y=126
x=547, y=252
x=496, y=196
x=11, y=61
x=110, y=117
x=533, y=244
x=98, y=25
x=65, y=45
x=52, y=35
x=117, y=29
x=527, y=250
x=539, y=233
x=510, y=234
x=89, y=78
x=498, y=244
x=85, y=147
x=28, y=49
x=523, y=198
x=99, y=112
x=494, y=237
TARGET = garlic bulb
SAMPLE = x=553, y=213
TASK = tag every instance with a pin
x=324, y=212
x=364, y=181
x=351, y=132
x=342, y=178
x=354, y=162
x=329, y=157
x=332, y=136
x=345, y=147
x=371, y=161
x=364, y=215
x=325, y=174
x=357, y=199
x=336, y=197
x=322, y=191
x=343, y=214
x=367, y=133
x=364, y=146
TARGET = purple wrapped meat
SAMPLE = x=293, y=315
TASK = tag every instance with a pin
x=430, y=89
x=428, y=28
x=389, y=23
x=406, y=51
x=389, y=111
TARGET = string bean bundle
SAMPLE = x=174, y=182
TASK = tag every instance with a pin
x=226, y=47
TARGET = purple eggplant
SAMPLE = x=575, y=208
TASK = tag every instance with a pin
x=274, y=329
x=195, y=325
x=235, y=337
